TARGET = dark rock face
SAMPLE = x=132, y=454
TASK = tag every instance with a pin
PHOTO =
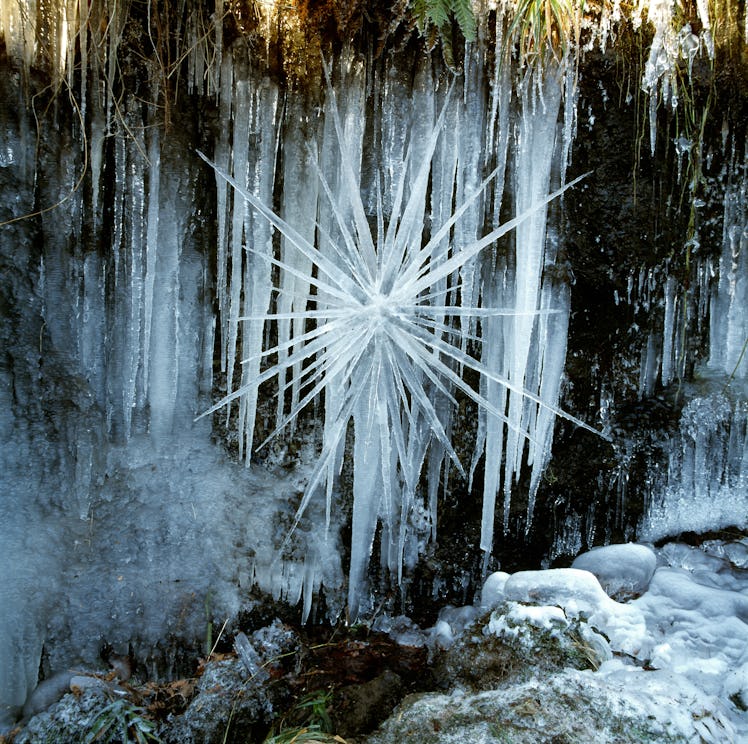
x=361, y=708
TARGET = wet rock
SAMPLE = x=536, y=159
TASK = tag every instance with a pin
x=228, y=707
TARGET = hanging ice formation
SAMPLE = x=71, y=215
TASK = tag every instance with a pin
x=401, y=155
x=728, y=333
x=705, y=481
x=395, y=309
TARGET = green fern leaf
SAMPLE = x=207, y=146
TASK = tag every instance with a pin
x=438, y=12
x=463, y=12
x=420, y=12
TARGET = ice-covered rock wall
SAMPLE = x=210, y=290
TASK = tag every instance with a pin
x=110, y=280
x=703, y=484
x=383, y=136
x=139, y=287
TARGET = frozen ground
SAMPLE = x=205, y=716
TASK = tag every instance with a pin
x=549, y=656
x=672, y=663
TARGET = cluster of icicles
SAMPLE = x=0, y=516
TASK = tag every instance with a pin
x=398, y=311
x=387, y=283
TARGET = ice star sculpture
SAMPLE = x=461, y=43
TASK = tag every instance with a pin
x=382, y=349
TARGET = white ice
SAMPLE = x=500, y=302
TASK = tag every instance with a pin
x=385, y=350
x=679, y=651
x=620, y=569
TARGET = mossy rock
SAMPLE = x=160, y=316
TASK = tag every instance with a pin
x=480, y=660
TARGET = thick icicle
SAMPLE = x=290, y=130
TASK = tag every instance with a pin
x=299, y=209
x=240, y=166
x=728, y=347
x=152, y=250
x=259, y=237
x=535, y=145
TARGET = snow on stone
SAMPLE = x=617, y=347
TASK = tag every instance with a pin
x=698, y=622
x=492, y=591
x=509, y=624
x=568, y=706
x=620, y=569
x=680, y=650
x=580, y=595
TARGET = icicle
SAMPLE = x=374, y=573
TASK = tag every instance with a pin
x=115, y=28
x=552, y=339
x=728, y=316
x=443, y=175
x=163, y=280
x=571, y=94
x=96, y=148
x=217, y=67
x=83, y=43
x=650, y=363
x=300, y=197
x=367, y=490
x=706, y=483
x=239, y=152
x=494, y=356
x=223, y=161
x=702, y=7
x=535, y=148
x=469, y=171
x=132, y=393
x=92, y=323
x=652, y=122
x=669, y=331
x=351, y=104
x=259, y=236
x=152, y=249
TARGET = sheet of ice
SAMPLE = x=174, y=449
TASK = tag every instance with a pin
x=705, y=484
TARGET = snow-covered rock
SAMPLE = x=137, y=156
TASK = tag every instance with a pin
x=493, y=589
x=622, y=570
x=580, y=595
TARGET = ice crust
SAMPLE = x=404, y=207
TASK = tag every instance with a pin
x=705, y=481
x=620, y=569
x=667, y=666
x=581, y=595
x=690, y=625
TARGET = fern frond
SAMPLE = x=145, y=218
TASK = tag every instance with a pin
x=438, y=12
x=463, y=13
